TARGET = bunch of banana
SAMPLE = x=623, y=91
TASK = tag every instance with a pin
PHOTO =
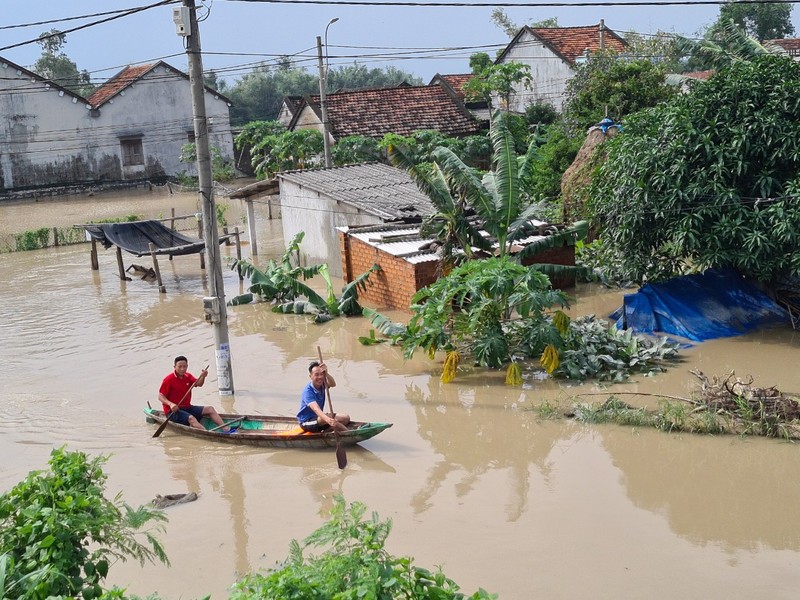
x=549, y=359
x=432, y=352
x=513, y=374
x=450, y=364
x=561, y=322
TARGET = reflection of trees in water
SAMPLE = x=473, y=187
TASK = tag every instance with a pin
x=712, y=489
x=475, y=432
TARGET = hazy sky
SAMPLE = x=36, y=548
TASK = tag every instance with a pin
x=236, y=33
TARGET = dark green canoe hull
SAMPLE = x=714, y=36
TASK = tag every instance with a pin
x=271, y=432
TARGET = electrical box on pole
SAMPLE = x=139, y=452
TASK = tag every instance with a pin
x=180, y=16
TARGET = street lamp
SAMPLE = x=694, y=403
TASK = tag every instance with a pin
x=323, y=88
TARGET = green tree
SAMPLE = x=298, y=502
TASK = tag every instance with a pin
x=274, y=149
x=662, y=48
x=726, y=42
x=355, y=149
x=766, y=21
x=502, y=20
x=457, y=190
x=358, y=76
x=61, y=534
x=606, y=85
x=499, y=79
x=709, y=179
x=221, y=170
x=212, y=80
x=53, y=64
x=258, y=95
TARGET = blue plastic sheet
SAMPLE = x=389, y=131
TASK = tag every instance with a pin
x=714, y=304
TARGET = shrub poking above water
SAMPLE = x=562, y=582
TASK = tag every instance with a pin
x=354, y=565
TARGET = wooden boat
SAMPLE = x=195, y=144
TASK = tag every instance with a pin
x=271, y=432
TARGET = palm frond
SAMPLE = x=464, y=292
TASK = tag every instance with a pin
x=506, y=175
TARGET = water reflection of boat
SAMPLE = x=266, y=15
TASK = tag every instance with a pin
x=358, y=457
x=272, y=432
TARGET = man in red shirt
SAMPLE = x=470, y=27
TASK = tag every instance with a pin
x=176, y=397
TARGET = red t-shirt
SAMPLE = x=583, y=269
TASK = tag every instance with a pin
x=174, y=389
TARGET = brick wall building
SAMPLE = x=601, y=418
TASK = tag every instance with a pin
x=407, y=265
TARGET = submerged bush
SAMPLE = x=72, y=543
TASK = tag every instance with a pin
x=355, y=565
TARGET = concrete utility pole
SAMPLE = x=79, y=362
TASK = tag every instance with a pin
x=323, y=91
x=323, y=105
x=214, y=305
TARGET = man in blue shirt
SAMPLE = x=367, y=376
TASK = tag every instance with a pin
x=312, y=415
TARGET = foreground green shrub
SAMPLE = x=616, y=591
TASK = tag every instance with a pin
x=354, y=566
x=59, y=534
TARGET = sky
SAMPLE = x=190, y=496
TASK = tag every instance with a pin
x=236, y=34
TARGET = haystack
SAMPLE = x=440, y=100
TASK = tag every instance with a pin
x=575, y=181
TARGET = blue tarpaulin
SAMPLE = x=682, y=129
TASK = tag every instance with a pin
x=714, y=304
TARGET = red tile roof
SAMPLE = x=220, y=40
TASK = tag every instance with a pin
x=787, y=44
x=571, y=42
x=116, y=84
x=457, y=82
x=702, y=75
x=401, y=110
x=129, y=75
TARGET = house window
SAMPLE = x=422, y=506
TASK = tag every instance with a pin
x=132, y=153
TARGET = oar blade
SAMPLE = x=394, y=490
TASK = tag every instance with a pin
x=341, y=454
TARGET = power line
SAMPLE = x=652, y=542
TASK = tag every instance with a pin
x=63, y=19
x=92, y=24
x=516, y=4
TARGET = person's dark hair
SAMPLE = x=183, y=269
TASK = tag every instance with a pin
x=180, y=358
x=313, y=364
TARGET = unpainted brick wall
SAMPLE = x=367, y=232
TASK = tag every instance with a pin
x=396, y=283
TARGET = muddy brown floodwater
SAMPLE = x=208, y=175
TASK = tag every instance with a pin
x=473, y=480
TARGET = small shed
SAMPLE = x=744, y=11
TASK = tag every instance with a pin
x=409, y=262
x=319, y=201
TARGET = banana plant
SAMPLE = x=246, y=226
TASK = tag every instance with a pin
x=282, y=283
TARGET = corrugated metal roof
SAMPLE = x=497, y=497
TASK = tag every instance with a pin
x=407, y=249
x=377, y=189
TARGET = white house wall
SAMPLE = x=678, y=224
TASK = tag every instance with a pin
x=37, y=133
x=50, y=137
x=158, y=107
x=303, y=209
x=549, y=74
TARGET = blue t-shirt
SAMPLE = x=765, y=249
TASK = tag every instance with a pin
x=310, y=394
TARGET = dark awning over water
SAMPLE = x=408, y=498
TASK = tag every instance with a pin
x=135, y=237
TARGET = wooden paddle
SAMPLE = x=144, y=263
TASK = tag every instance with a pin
x=341, y=453
x=163, y=426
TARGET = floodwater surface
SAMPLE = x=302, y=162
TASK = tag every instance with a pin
x=472, y=478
